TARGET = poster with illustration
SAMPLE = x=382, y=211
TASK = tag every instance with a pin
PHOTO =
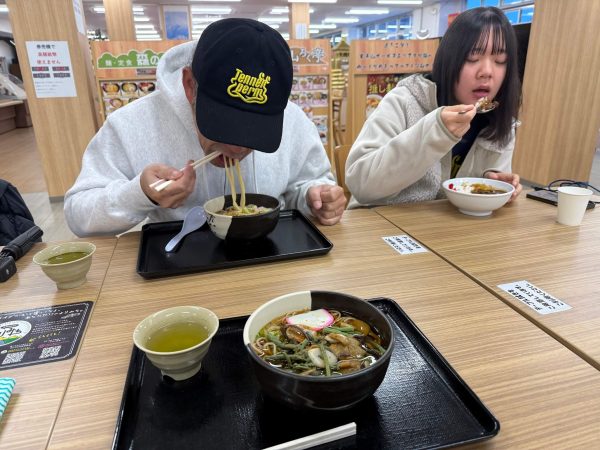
x=377, y=87
x=177, y=22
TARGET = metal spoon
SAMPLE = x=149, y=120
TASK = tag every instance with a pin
x=194, y=219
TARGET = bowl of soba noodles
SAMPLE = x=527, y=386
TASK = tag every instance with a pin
x=230, y=218
x=319, y=350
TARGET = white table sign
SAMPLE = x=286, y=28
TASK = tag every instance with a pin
x=534, y=297
x=51, y=69
x=404, y=244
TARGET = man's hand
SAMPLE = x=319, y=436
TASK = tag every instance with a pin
x=511, y=178
x=327, y=203
x=173, y=195
x=458, y=118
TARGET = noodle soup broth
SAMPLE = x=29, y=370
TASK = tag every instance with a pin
x=306, y=387
x=242, y=227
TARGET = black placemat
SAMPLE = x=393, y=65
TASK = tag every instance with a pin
x=422, y=402
x=294, y=237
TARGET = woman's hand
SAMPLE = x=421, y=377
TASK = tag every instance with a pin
x=511, y=178
x=457, y=118
x=177, y=192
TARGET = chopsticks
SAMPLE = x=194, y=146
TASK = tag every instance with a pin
x=159, y=185
x=317, y=439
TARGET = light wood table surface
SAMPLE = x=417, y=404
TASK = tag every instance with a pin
x=28, y=420
x=543, y=394
x=521, y=241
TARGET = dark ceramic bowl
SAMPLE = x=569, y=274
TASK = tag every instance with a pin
x=242, y=228
x=333, y=393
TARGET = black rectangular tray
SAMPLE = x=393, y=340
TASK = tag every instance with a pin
x=294, y=237
x=422, y=402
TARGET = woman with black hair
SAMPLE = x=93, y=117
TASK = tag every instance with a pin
x=427, y=130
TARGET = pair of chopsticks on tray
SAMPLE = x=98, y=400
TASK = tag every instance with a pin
x=317, y=439
x=159, y=185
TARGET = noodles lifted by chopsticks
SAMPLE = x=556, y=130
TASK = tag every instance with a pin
x=242, y=208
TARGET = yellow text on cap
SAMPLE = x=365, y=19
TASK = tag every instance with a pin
x=248, y=88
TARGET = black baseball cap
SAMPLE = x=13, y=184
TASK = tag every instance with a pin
x=244, y=73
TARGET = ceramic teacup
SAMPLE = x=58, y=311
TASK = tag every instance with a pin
x=66, y=264
x=175, y=340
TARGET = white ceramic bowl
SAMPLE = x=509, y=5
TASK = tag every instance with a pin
x=69, y=274
x=181, y=364
x=456, y=190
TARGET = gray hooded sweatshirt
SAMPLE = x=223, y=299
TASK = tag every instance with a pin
x=159, y=128
x=403, y=152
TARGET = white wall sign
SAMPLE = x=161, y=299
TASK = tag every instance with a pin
x=78, y=16
x=404, y=244
x=534, y=297
x=51, y=69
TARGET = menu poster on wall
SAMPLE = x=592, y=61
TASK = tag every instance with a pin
x=51, y=69
x=377, y=87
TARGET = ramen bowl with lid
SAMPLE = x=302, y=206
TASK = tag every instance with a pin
x=477, y=196
x=246, y=226
x=317, y=390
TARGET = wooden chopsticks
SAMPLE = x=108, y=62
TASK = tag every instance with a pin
x=159, y=185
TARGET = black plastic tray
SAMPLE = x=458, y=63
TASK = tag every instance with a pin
x=294, y=237
x=422, y=402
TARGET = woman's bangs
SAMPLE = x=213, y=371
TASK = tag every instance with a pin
x=498, y=43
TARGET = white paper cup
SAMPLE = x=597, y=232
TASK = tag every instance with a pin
x=572, y=202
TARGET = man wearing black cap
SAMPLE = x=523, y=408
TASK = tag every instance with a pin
x=228, y=93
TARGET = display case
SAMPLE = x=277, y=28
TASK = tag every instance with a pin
x=311, y=89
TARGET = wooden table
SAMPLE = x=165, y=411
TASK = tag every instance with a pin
x=521, y=241
x=542, y=393
x=39, y=390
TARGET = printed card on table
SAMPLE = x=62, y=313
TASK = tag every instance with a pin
x=404, y=244
x=534, y=297
x=42, y=335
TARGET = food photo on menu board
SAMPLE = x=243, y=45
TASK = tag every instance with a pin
x=116, y=94
x=377, y=87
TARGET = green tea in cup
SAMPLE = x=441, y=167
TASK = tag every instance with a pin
x=175, y=340
x=175, y=337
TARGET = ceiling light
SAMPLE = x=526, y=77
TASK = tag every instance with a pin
x=141, y=19
x=370, y=11
x=137, y=9
x=285, y=35
x=205, y=19
x=98, y=9
x=220, y=1
x=273, y=25
x=286, y=10
x=273, y=19
x=210, y=10
x=399, y=2
x=152, y=31
x=341, y=19
x=312, y=1
x=142, y=26
x=3, y=8
x=327, y=26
